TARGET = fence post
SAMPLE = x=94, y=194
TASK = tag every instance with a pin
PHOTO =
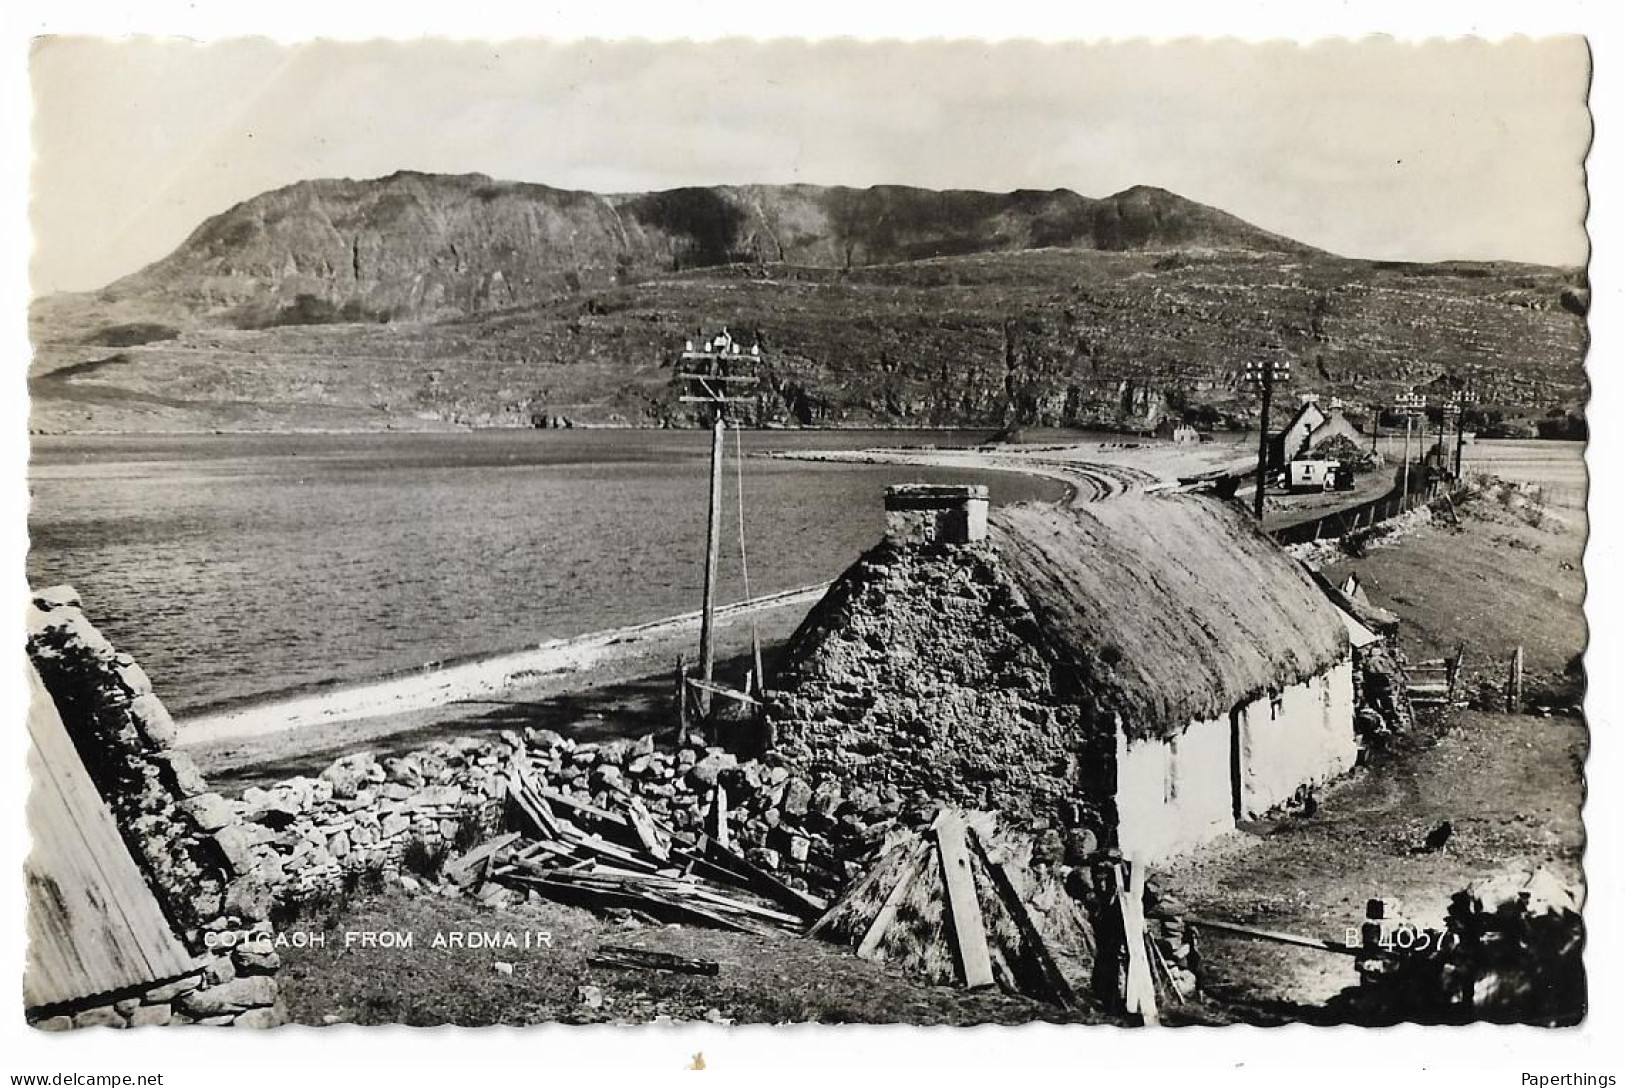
x=682, y=701
x=1515, y=682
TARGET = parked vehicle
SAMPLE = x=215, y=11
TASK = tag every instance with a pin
x=1312, y=475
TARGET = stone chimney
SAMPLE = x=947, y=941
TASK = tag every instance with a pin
x=925, y=514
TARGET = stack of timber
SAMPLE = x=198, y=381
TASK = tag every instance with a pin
x=568, y=850
x=964, y=903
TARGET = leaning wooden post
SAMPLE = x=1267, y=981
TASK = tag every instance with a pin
x=718, y=823
x=682, y=701
x=1139, y=992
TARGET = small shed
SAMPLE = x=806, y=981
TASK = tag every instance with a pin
x=1150, y=669
x=95, y=928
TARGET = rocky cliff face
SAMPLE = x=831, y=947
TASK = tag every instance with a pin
x=416, y=246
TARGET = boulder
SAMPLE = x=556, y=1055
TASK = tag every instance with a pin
x=405, y=770
x=268, y=1017
x=704, y=774
x=180, y=773
x=236, y=844
x=256, y=958
x=436, y=797
x=797, y=797
x=209, y=811
x=151, y=1016
x=153, y=722
x=229, y=998
x=616, y=751
x=276, y=809
x=606, y=776
x=826, y=798
x=132, y=677
x=347, y=773
x=545, y=739
x=102, y=1016
x=169, y=991
x=219, y=971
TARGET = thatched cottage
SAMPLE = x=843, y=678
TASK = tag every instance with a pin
x=1310, y=426
x=1150, y=669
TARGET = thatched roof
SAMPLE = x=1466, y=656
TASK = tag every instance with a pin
x=1174, y=607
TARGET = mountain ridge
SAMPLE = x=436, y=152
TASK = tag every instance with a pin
x=414, y=246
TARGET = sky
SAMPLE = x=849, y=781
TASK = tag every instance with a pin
x=1371, y=148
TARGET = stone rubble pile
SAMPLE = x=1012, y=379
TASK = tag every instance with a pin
x=308, y=837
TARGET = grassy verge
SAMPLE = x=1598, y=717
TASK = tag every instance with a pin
x=761, y=979
x=1510, y=785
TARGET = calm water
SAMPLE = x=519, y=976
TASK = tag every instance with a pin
x=242, y=566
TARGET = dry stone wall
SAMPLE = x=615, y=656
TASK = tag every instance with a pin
x=178, y=832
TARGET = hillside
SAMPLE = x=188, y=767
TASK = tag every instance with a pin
x=421, y=300
x=412, y=247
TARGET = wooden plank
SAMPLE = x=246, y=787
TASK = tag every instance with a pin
x=643, y=824
x=462, y=870
x=870, y=945
x=1253, y=932
x=695, y=862
x=964, y=911
x=582, y=807
x=725, y=692
x=94, y=925
x=1140, y=994
x=651, y=960
x=765, y=882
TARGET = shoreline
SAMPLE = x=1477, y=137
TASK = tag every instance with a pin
x=1093, y=472
x=484, y=678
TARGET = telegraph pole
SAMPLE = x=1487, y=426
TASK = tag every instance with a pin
x=1265, y=375
x=1408, y=405
x=711, y=371
x=1452, y=410
x=1468, y=388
